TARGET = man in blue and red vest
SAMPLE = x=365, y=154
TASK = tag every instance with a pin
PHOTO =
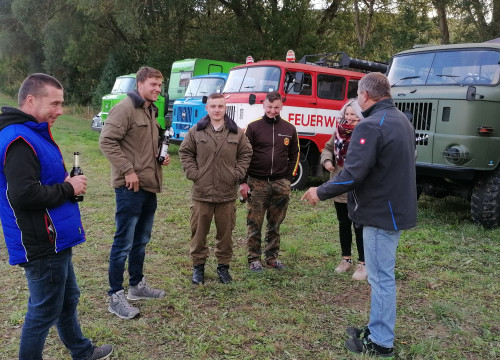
x=40, y=222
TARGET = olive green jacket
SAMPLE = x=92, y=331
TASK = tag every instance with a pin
x=130, y=139
x=215, y=160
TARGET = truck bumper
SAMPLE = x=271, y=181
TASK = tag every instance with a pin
x=97, y=123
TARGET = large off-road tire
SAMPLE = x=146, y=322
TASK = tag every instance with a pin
x=300, y=179
x=485, y=201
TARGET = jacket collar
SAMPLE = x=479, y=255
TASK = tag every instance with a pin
x=379, y=105
x=271, y=120
x=139, y=101
x=228, y=122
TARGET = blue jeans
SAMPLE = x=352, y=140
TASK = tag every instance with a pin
x=380, y=254
x=134, y=217
x=52, y=300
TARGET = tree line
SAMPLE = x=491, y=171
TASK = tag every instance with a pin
x=87, y=43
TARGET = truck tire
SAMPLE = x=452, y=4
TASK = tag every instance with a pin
x=485, y=201
x=300, y=179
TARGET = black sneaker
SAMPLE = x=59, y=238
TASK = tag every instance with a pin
x=367, y=347
x=223, y=272
x=358, y=333
x=198, y=274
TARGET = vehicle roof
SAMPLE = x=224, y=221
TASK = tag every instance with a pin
x=426, y=48
x=300, y=66
x=128, y=76
x=211, y=75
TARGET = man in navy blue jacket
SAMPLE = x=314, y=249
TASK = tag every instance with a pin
x=379, y=174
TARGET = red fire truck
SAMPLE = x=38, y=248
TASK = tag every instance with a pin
x=313, y=94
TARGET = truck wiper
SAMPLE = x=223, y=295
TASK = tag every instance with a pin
x=452, y=77
x=403, y=79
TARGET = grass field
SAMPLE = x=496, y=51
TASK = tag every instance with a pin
x=447, y=276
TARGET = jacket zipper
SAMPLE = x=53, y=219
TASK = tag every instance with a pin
x=355, y=200
x=272, y=155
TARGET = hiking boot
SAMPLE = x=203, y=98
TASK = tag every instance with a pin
x=367, y=347
x=255, y=266
x=198, y=274
x=358, y=333
x=276, y=264
x=119, y=305
x=101, y=352
x=344, y=266
x=223, y=272
x=144, y=291
x=360, y=273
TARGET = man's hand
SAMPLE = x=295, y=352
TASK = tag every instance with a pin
x=311, y=196
x=78, y=182
x=166, y=161
x=132, y=182
x=244, y=189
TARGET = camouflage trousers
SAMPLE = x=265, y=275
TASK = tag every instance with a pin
x=269, y=199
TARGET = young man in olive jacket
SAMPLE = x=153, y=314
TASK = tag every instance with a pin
x=274, y=162
x=215, y=155
x=379, y=172
x=130, y=139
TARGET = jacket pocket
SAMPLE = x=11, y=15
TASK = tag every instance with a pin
x=49, y=228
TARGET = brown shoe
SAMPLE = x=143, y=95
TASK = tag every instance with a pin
x=344, y=266
x=360, y=273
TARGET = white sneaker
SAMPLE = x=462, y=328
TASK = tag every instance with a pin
x=119, y=305
x=360, y=273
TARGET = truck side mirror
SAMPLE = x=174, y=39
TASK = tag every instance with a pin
x=251, y=99
x=471, y=93
x=204, y=99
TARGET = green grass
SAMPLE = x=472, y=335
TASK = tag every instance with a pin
x=447, y=274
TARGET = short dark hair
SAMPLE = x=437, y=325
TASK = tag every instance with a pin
x=273, y=96
x=147, y=72
x=215, y=96
x=35, y=85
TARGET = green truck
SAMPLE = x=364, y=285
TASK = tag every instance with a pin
x=182, y=71
x=451, y=94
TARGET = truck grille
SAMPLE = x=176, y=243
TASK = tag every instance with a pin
x=183, y=114
x=419, y=114
x=230, y=110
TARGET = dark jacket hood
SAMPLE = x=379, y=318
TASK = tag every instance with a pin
x=228, y=122
x=11, y=115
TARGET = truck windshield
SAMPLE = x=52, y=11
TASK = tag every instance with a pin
x=462, y=67
x=253, y=79
x=123, y=85
x=204, y=87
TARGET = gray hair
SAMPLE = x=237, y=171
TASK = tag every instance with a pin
x=376, y=85
x=355, y=106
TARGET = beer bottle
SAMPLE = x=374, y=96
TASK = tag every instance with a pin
x=164, y=147
x=77, y=170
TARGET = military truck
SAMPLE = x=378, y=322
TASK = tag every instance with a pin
x=181, y=72
x=451, y=94
x=124, y=84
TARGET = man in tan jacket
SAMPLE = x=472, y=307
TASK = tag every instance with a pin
x=129, y=140
x=215, y=155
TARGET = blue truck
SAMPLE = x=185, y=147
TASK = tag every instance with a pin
x=190, y=109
